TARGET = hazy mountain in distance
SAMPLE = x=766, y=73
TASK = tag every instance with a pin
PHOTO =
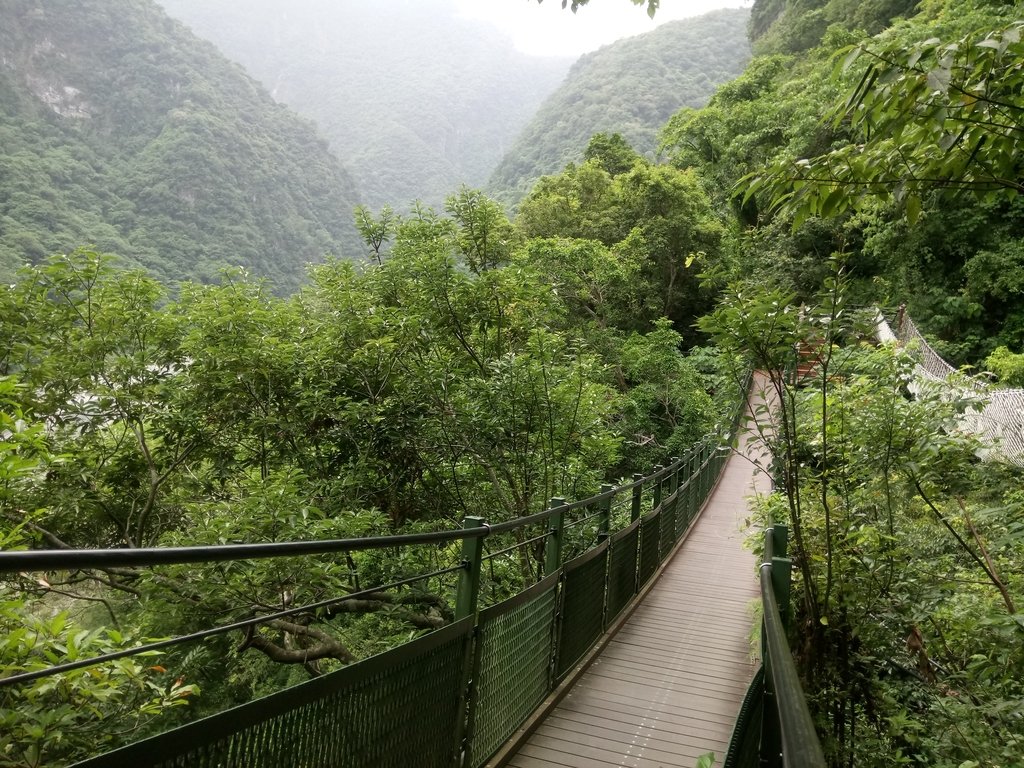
x=122, y=130
x=414, y=99
x=630, y=87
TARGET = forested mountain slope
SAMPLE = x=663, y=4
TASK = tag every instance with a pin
x=790, y=26
x=415, y=99
x=630, y=87
x=120, y=129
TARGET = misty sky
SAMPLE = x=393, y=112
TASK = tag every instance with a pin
x=547, y=30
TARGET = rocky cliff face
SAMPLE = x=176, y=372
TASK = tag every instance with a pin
x=120, y=129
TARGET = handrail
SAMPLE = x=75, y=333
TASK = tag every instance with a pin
x=788, y=735
x=800, y=745
x=71, y=559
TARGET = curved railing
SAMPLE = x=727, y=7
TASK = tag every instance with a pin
x=774, y=728
x=999, y=422
x=455, y=695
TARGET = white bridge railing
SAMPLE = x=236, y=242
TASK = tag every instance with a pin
x=999, y=423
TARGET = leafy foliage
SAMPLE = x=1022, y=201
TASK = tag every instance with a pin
x=941, y=115
x=952, y=266
x=794, y=26
x=465, y=369
x=908, y=633
x=53, y=718
x=657, y=221
x=652, y=5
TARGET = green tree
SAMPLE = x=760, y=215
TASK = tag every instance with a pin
x=941, y=115
x=376, y=231
x=485, y=236
x=62, y=718
x=612, y=152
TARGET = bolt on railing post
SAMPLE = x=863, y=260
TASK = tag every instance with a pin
x=605, y=525
x=553, y=544
x=638, y=490
x=467, y=597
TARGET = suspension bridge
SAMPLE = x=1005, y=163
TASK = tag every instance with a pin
x=998, y=419
x=632, y=648
x=666, y=687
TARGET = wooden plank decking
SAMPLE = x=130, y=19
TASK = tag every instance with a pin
x=667, y=688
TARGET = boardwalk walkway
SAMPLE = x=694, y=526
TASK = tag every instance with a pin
x=667, y=688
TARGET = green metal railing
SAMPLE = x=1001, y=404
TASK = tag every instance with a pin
x=774, y=728
x=454, y=696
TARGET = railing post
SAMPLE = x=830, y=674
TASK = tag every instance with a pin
x=782, y=569
x=605, y=526
x=780, y=540
x=553, y=544
x=638, y=490
x=467, y=598
x=706, y=462
x=691, y=488
x=657, y=487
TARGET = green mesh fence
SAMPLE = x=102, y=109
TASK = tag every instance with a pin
x=682, y=509
x=512, y=670
x=706, y=474
x=622, y=560
x=582, y=607
x=693, y=492
x=398, y=709
x=650, y=548
x=744, y=745
x=667, y=526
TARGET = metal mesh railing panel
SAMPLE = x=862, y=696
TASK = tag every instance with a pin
x=706, y=477
x=582, y=607
x=667, y=532
x=689, y=491
x=744, y=744
x=649, y=547
x=683, y=515
x=397, y=709
x=622, y=562
x=514, y=647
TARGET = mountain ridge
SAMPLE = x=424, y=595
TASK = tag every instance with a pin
x=630, y=87
x=409, y=123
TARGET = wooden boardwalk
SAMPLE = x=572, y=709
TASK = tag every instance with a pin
x=668, y=686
